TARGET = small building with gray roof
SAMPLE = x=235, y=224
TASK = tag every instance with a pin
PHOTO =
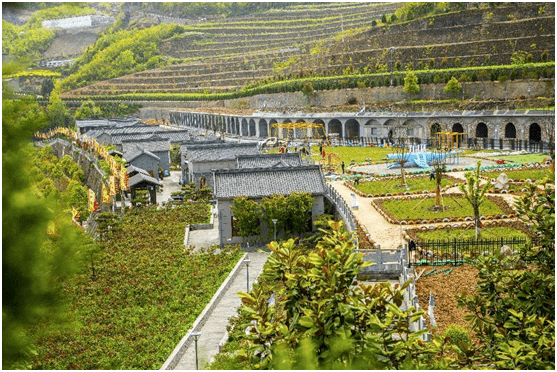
x=257, y=183
x=292, y=159
x=201, y=159
x=144, y=159
x=154, y=144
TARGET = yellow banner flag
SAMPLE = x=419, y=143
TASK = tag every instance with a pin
x=75, y=213
x=112, y=185
x=123, y=178
x=91, y=200
x=106, y=196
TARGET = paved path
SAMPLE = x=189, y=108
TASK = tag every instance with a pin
x=380, y=231
x=215, y=328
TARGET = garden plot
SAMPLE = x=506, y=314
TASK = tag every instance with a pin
x=421, y=210
x=393, y=186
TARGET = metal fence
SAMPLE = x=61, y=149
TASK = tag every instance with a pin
x=512, y=144
x=440, y=252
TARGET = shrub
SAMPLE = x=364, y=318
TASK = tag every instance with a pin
x=457, y=335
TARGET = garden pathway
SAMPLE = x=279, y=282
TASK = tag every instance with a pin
x=380, y=231
x=214, y=328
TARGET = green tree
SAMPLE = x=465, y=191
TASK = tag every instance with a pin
x=411, y=83
x=474, y=192
x=32, y=262
x=299, y=209
x=88, y=110
x=321, y=320
x=275, y=207
x=248, y=215
x=452, y=86
x=513, y=307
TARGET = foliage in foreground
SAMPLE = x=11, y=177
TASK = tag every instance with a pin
x=147, y=293
x=513, y=310
x=320, y=319
x=32, y=260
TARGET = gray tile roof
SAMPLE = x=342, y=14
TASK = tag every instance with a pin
x=222, y=151
x=195, y=141
x=153, y=144
x=133, y=168
x=269, y=160
x=136, y=151
x=140, y=177
x=260, y=182
x=175, y=136
x=144, y=129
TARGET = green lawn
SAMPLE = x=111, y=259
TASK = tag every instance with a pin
x=524, y=159
x=533, y=174
x=380, y=186
x=461, y=234
x=147, y=294
x=417, y=209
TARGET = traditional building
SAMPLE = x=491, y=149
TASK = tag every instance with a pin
x=143, y=159
x=257, y=183
x=201, y=159
x=154, y=144
x=291, y=159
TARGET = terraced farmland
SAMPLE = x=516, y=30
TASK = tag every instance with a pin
x=331, y=39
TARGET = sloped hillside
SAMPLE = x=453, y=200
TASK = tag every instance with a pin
x=250, y=47
x=340, y=39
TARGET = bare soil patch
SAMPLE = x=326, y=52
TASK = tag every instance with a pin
x=444, y=288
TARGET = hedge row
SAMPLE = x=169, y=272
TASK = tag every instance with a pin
x=483, y=73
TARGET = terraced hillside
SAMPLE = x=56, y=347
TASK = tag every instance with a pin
x=249, y=47
x=339, y=39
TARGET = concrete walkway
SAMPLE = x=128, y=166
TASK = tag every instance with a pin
x=214, y=329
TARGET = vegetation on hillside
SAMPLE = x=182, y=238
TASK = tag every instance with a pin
x=26, y=43
x=147, y=293
x=120, y=53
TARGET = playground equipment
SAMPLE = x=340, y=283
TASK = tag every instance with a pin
x=309, y=130
x=417, y=156
x=449, y=140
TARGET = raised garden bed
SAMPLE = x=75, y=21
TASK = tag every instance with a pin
x=413, y=209
x=520, y=175
x=388, y=186
x=490, y=230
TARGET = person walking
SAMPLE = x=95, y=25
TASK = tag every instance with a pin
x=342, y=167
x=431, y=175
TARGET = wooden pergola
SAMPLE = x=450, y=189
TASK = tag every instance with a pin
x=300, y=125
x=445, y=140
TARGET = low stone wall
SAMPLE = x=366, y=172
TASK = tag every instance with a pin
x=186, y=341
x=93, y=174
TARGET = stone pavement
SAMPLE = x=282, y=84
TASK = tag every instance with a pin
x=215, y=328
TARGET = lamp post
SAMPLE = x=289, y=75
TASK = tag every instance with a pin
x=247, y=261
x=196, y=336
x=275, y=223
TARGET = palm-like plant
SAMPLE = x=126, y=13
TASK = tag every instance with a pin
x=474, y=192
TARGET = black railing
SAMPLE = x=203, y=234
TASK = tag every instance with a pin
x=470, y=143
x=447, y=252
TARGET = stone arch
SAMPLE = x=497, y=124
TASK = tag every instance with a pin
x=390, y=122
x=534, y=132
x=300, y=133
x=252, y=128
x=510, y=130
x=481, y=130
x=318, y=131
x=435, y=127
x=263, y=128
x=458, y=128
x=244, y=128
x=334, y=126
x=352, y=128
x=273, y=130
